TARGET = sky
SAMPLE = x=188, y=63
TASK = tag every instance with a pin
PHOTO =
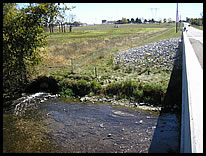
x=94, y=13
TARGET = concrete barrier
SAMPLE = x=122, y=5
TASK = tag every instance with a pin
x=192, y=101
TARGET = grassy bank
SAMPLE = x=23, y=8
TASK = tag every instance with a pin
x=91, y=50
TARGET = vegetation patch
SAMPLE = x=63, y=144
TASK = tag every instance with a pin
x=136, y=91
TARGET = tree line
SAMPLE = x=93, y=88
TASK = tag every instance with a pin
x=139, y=21
x=196, y=21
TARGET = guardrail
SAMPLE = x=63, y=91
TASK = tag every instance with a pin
x=192, y=101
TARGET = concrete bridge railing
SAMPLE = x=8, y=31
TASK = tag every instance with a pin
x=192, y=101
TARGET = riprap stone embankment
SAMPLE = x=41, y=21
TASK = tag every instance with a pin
x=160, y=54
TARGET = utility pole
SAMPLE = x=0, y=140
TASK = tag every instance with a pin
x=177, y=18
x=180, y=23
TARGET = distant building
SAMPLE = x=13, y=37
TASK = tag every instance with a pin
x=84, y=24
x=110, y=22
x=104, y=21
x=107, y=22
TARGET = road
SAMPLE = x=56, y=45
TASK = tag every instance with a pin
x=196, y=39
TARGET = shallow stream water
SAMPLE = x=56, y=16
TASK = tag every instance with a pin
x=56, y=125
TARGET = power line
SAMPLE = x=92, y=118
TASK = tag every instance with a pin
x=155, y=15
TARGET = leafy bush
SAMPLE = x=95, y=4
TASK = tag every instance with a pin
x=128, y=86
x=91, y=94
x=81, y=87
x=66, y=83
x=66, y=92
x=138, y=94
x=78, y=87
x=22, y=39
x=134, y=90
x=125, y=89
x=95, y=87
x=112, y=89
x=153, y=93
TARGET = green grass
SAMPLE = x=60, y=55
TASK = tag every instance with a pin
x=80, y=35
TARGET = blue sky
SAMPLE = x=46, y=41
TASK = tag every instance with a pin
x=91, y=13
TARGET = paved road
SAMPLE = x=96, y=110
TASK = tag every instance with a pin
x=196, y=39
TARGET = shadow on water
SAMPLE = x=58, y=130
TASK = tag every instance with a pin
x=166, y=138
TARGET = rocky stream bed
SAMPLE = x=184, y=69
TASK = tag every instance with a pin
x=42, y=122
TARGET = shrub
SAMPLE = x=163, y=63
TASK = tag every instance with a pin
x=67, y=83
x=78, y=87
x=81, y=87
x=153, y=93
x=95, y=87
x=128, y=86
x=91, y=94
x=112, y=89
x=125, y=89
x=66, y=92
x=138, y=94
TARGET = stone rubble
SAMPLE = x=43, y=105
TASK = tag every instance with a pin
x=122, y=102
x=160, y=54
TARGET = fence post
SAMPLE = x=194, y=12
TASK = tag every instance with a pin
x=72, y=65
x=95, y=72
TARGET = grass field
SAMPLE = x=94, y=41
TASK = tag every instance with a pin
x=88, y=44
x=93, y=48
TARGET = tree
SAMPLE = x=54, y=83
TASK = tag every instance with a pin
x=160, y=20
x=152, y=20
x=22, y=40
x=47, y=11
x=201, y=14
x=63, y=17
x=136, y=21
x=52, y=13
x=71, y=18
x=187, y=19
x=124, y=20
x=23, y=36
x=169, y=20
x=164, y=20
x=145, y=20
x=139, y=20
x=132, y=20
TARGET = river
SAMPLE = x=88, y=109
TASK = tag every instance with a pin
x=60, y=126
